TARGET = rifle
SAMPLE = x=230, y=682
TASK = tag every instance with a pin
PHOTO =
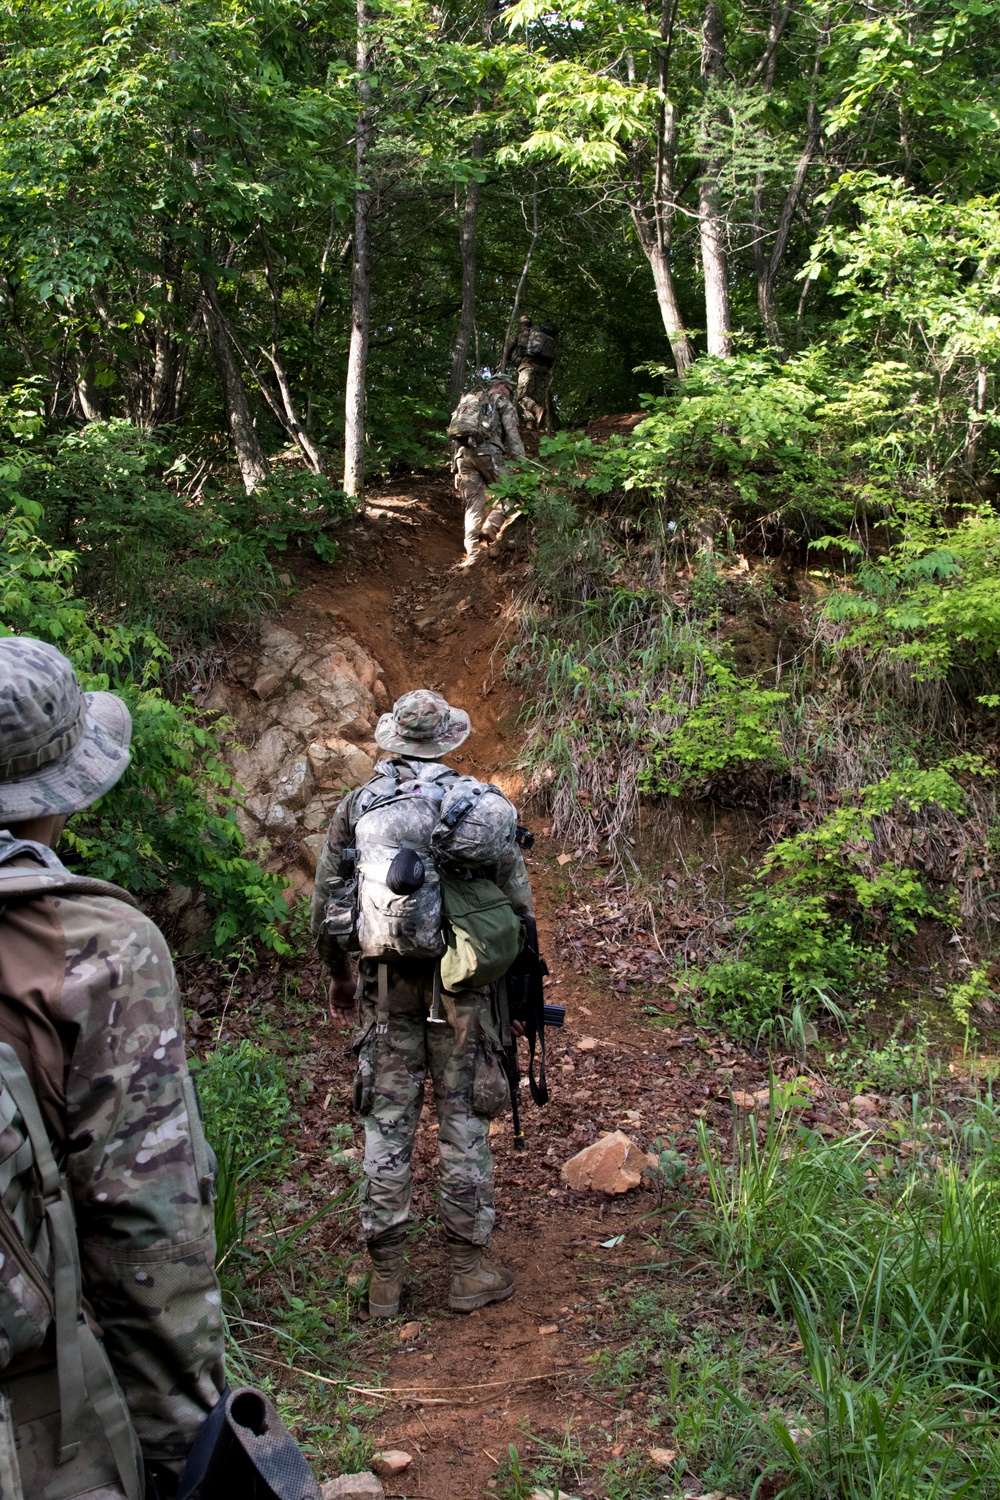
x=522, y=998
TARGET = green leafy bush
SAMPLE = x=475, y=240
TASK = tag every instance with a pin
x=171, y=816
x=144, y=554
x=820, y=913
x=732, y=725
x=932, y=600
x=244, y=1099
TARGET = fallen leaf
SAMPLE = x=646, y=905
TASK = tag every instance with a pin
x=612, y=1243
x=548, y=1328
x=563, y=859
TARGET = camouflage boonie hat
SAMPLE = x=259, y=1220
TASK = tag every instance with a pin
x=424, y=725
x=501, y=379
x=60, y=748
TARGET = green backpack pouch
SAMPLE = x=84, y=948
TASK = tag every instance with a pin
x=482, y=931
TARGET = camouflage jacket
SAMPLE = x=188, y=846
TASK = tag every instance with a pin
x=511, y=875
x=139, y=1169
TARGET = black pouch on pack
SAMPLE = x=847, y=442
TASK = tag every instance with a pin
x=244, y=1451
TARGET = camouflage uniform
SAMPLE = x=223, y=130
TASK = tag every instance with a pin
x=393, y=1074
x=532, y=389
x=90, y=1004
x=472, y=484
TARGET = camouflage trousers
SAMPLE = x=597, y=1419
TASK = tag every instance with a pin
x=532, y=390
x=389, y=1095
x=472, y=488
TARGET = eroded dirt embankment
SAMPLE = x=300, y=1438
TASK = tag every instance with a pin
x=461, y=1388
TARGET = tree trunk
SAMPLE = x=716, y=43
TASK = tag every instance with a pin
x=357, y=361
x=467, y=317
x=655, y=229
x=711, y=228
x=767, y=266
x=249, y=453
x=666, y=293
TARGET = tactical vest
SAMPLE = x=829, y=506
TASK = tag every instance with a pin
x=65, y=1430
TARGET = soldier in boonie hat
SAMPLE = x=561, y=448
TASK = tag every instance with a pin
x=92, y=1027
x=60, y=748
x=423, y=725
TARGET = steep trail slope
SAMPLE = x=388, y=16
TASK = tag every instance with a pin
x=464, y=1387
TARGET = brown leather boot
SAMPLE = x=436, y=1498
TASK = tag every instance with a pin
x=386, y=1285
x=472, y=1284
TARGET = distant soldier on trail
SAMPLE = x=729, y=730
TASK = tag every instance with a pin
x=484, y=429
x=534, y=370
x=516, y=347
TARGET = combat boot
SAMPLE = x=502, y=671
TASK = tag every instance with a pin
x=386, y=1285
x=472, y=1284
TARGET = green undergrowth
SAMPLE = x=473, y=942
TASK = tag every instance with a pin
x=103, y=555
x=694, y=635
x=821, y=1322
x=289, y=1302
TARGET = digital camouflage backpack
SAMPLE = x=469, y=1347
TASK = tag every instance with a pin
x=420, y=886
x=474, y=418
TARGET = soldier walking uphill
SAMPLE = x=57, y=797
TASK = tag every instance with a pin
x=406, y=848
x=105, y=1173
x=484, y=429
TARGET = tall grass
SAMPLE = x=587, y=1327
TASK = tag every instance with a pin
x=888, y=1266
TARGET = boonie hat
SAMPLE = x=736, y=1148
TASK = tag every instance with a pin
x=501, y=380
x=424, y=725
x=60, y=748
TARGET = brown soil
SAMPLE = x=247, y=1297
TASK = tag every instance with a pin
x=464, y=1387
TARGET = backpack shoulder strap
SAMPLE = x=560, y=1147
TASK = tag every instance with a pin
x=49, y=877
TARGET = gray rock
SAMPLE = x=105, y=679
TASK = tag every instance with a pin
x=268, y=682
x=337, y=763
x=268, y=756
x=295, y=788
x=363, y=1486
x=310, y=850
x=316, y=816
x=296, y=713
x=279, y=647
x=279, y=819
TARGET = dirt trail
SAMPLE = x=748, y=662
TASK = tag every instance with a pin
x=467, y=1386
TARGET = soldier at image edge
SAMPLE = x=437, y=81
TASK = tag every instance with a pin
x=479, y=462
x=422, y=729
x=111, y=1393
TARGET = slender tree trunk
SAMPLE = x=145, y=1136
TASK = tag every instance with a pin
x=467, y=317
x=249, y=453
x=767, y=266
x=655, y=227
x=666, y=292
x=357, y=361
x=515, y=309
x=711, y=228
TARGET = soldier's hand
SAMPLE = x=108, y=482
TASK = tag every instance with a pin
x=341, y=1000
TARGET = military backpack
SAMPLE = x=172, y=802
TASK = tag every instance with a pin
x=417, y=886
x=474, y=419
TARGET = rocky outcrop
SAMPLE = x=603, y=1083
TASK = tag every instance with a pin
x=305, y=712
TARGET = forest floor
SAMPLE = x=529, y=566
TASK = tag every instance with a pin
x=549, y=1371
